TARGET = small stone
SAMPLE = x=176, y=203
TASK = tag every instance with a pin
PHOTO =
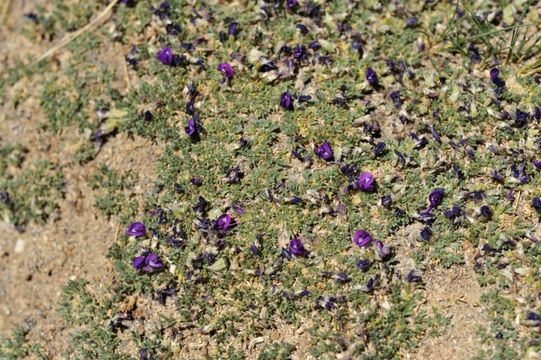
x=19, y=246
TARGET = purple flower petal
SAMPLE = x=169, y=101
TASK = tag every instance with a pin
x=223, y=223
x=136, y=229
x=435, y=197
x=362, y=238
x=324, y=151
x=138, y=262
x=191, y=128
x=153, y=261
x=383, y=251
x=165, y=56
x=366, y=181
x=286, y=100
x=296, y=247
x=227, y=70
x=371, y=76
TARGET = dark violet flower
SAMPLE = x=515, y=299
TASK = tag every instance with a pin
x=379, y=149
x=474, y=53
x=302, y=28
x=254, y=249
x=348, y=169
x=136, y=229
x=163, y=294
x=342, y=278
x=131, y=57
x=362, y=238
x=304, y=98
x=223, y=36
x=165, y=56
x=435, y=197
x=395, y=97
x=371, y=76
x=324, y=151
x=299, y=52
x=34, y=18
x=233, y=29
x=268, y=66
x=383, y=251
x=495, y=77
x=537, y=113
x=314, y=45
x=537, y=164
x=521, y=118
x=413, y=276
x=366, y=181
x=148, y=262
x=5, y=198
x=296, y=247
x=435, y=134
x=412, y=22
x=291, y=4
x=191, y=128
x=497, y=176
x=223, y=223
x=536, y=204
x=386, y=201
x=139, y=262
x=173, y=29
x=286, y=101
x=363, y=264
x=295, y=200
x=370, y=285
x=485, y=212
x=196, y=181
x=426, y=233
x=144, y=354
x=201, y=205
x=227, y=70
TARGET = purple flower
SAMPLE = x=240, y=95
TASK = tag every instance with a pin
x=324, y=151
x=139, y=262
x=537, y=164
x=371, y=76
x=165, y=56
x=366, y=181
x=362, y=238
x=136, y=229
x=233, y=29
x=299, y=52
x=435, y=197
x=223, y=223
x=291, y=4
x=412, y=22
x=485, y=212
x=426, y=233
x=227, y=70
x=302, y=28
x=362, y=264
x=495, y=77
x=148, y=262
x=286, y=101
x=395, y=97
x=383, y=251
x=191, y=128
x=296, y=247
x=386, y=201
x=536, y=204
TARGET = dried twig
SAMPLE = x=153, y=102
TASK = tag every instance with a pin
x=67, y=39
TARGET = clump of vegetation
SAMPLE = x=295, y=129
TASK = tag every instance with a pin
x=319, y=158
